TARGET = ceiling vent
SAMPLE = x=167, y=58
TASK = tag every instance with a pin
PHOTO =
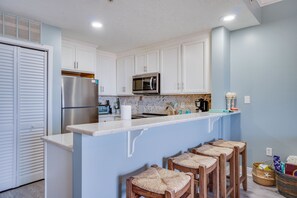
x=12, y=26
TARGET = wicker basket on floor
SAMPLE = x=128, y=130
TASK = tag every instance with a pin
x=263, y=177
x=286, y=185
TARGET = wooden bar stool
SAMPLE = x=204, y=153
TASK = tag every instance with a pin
x=198, y=165
x=158, y=182
x=225, y=155
x=239, y=150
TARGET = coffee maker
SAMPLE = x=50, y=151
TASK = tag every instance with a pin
x=202, y=105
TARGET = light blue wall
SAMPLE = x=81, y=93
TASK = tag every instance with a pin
x=264, y=66
x=99, y=161
x=220, y=66
x=52, y=36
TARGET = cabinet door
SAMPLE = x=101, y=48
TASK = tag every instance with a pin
x=86, y=59
x=121, y=82
x=152, y=61
x=7, y=117
x=106, y=73
x=140, y=64
x=68, y=56
x=193, y=67
x=32, y=97
x=170, y=70
x=129, y=72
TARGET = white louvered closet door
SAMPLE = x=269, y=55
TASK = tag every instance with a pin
x=7, y=117
x=32, y=120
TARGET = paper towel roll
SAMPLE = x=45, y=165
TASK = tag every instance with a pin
x=126, y=112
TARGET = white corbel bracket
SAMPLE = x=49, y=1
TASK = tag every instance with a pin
x=132, y=136
x=211, y=122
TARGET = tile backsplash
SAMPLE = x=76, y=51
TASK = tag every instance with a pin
x=157, y=104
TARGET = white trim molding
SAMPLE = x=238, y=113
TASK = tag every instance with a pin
x=49, y=50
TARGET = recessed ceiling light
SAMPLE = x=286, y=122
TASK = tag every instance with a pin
x=228, y=18
x=97, y=24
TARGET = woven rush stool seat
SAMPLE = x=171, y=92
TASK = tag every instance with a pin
x=198, y=165
x=213, y=150
x=159, y=182
x=225, y=155
x=239, y=150
x=191, y=160
x=228, y=144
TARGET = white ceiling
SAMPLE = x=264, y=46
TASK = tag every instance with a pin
x=131, y=23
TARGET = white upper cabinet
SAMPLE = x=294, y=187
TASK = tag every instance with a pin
x=147, y=62
x=68, y=56
x=78, y=57
x=106, y=73
x=125, y=71
x=152, y=61
x=186, y=72
x=194, y=69
x=140, y=64
x=170, y=70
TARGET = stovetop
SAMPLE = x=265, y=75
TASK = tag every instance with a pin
x=147, y=115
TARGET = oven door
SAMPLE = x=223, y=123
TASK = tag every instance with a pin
x=137, y=85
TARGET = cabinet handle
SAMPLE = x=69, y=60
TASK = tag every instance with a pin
x=102, y=88
x=77, y=65
x=182, y=86
x=74, y=65
x=177, y=86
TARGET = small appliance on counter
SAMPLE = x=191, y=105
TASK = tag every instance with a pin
x=117, y=106
x=105, y=108
x=202, y=105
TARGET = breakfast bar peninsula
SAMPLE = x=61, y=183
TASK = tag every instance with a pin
x=102, y=154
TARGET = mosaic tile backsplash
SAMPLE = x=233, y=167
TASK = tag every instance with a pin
x=157, y=104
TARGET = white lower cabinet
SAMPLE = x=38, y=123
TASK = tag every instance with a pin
x=23, y=113
x=125, y=71
x=185, y=68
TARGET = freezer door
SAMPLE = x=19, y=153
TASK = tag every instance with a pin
x=74, y=116
x=79, y=92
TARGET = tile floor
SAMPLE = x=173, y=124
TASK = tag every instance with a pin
x=36, y=190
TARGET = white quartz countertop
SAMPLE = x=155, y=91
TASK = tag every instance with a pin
x=106, y=128
x=62, y=140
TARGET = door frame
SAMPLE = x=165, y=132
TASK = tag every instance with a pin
x=49, y=50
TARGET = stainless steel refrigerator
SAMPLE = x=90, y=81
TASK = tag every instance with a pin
x=79, y=101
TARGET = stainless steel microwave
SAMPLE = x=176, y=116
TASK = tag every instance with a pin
x=146, y=83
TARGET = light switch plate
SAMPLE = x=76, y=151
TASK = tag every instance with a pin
x=247, y=99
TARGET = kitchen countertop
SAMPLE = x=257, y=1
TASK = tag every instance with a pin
x=106, y=128
x=62, y=140
x=109, y=115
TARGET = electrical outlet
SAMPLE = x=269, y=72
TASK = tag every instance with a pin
x=269, y=152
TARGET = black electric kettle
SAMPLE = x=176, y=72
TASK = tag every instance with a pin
x=202, y=105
